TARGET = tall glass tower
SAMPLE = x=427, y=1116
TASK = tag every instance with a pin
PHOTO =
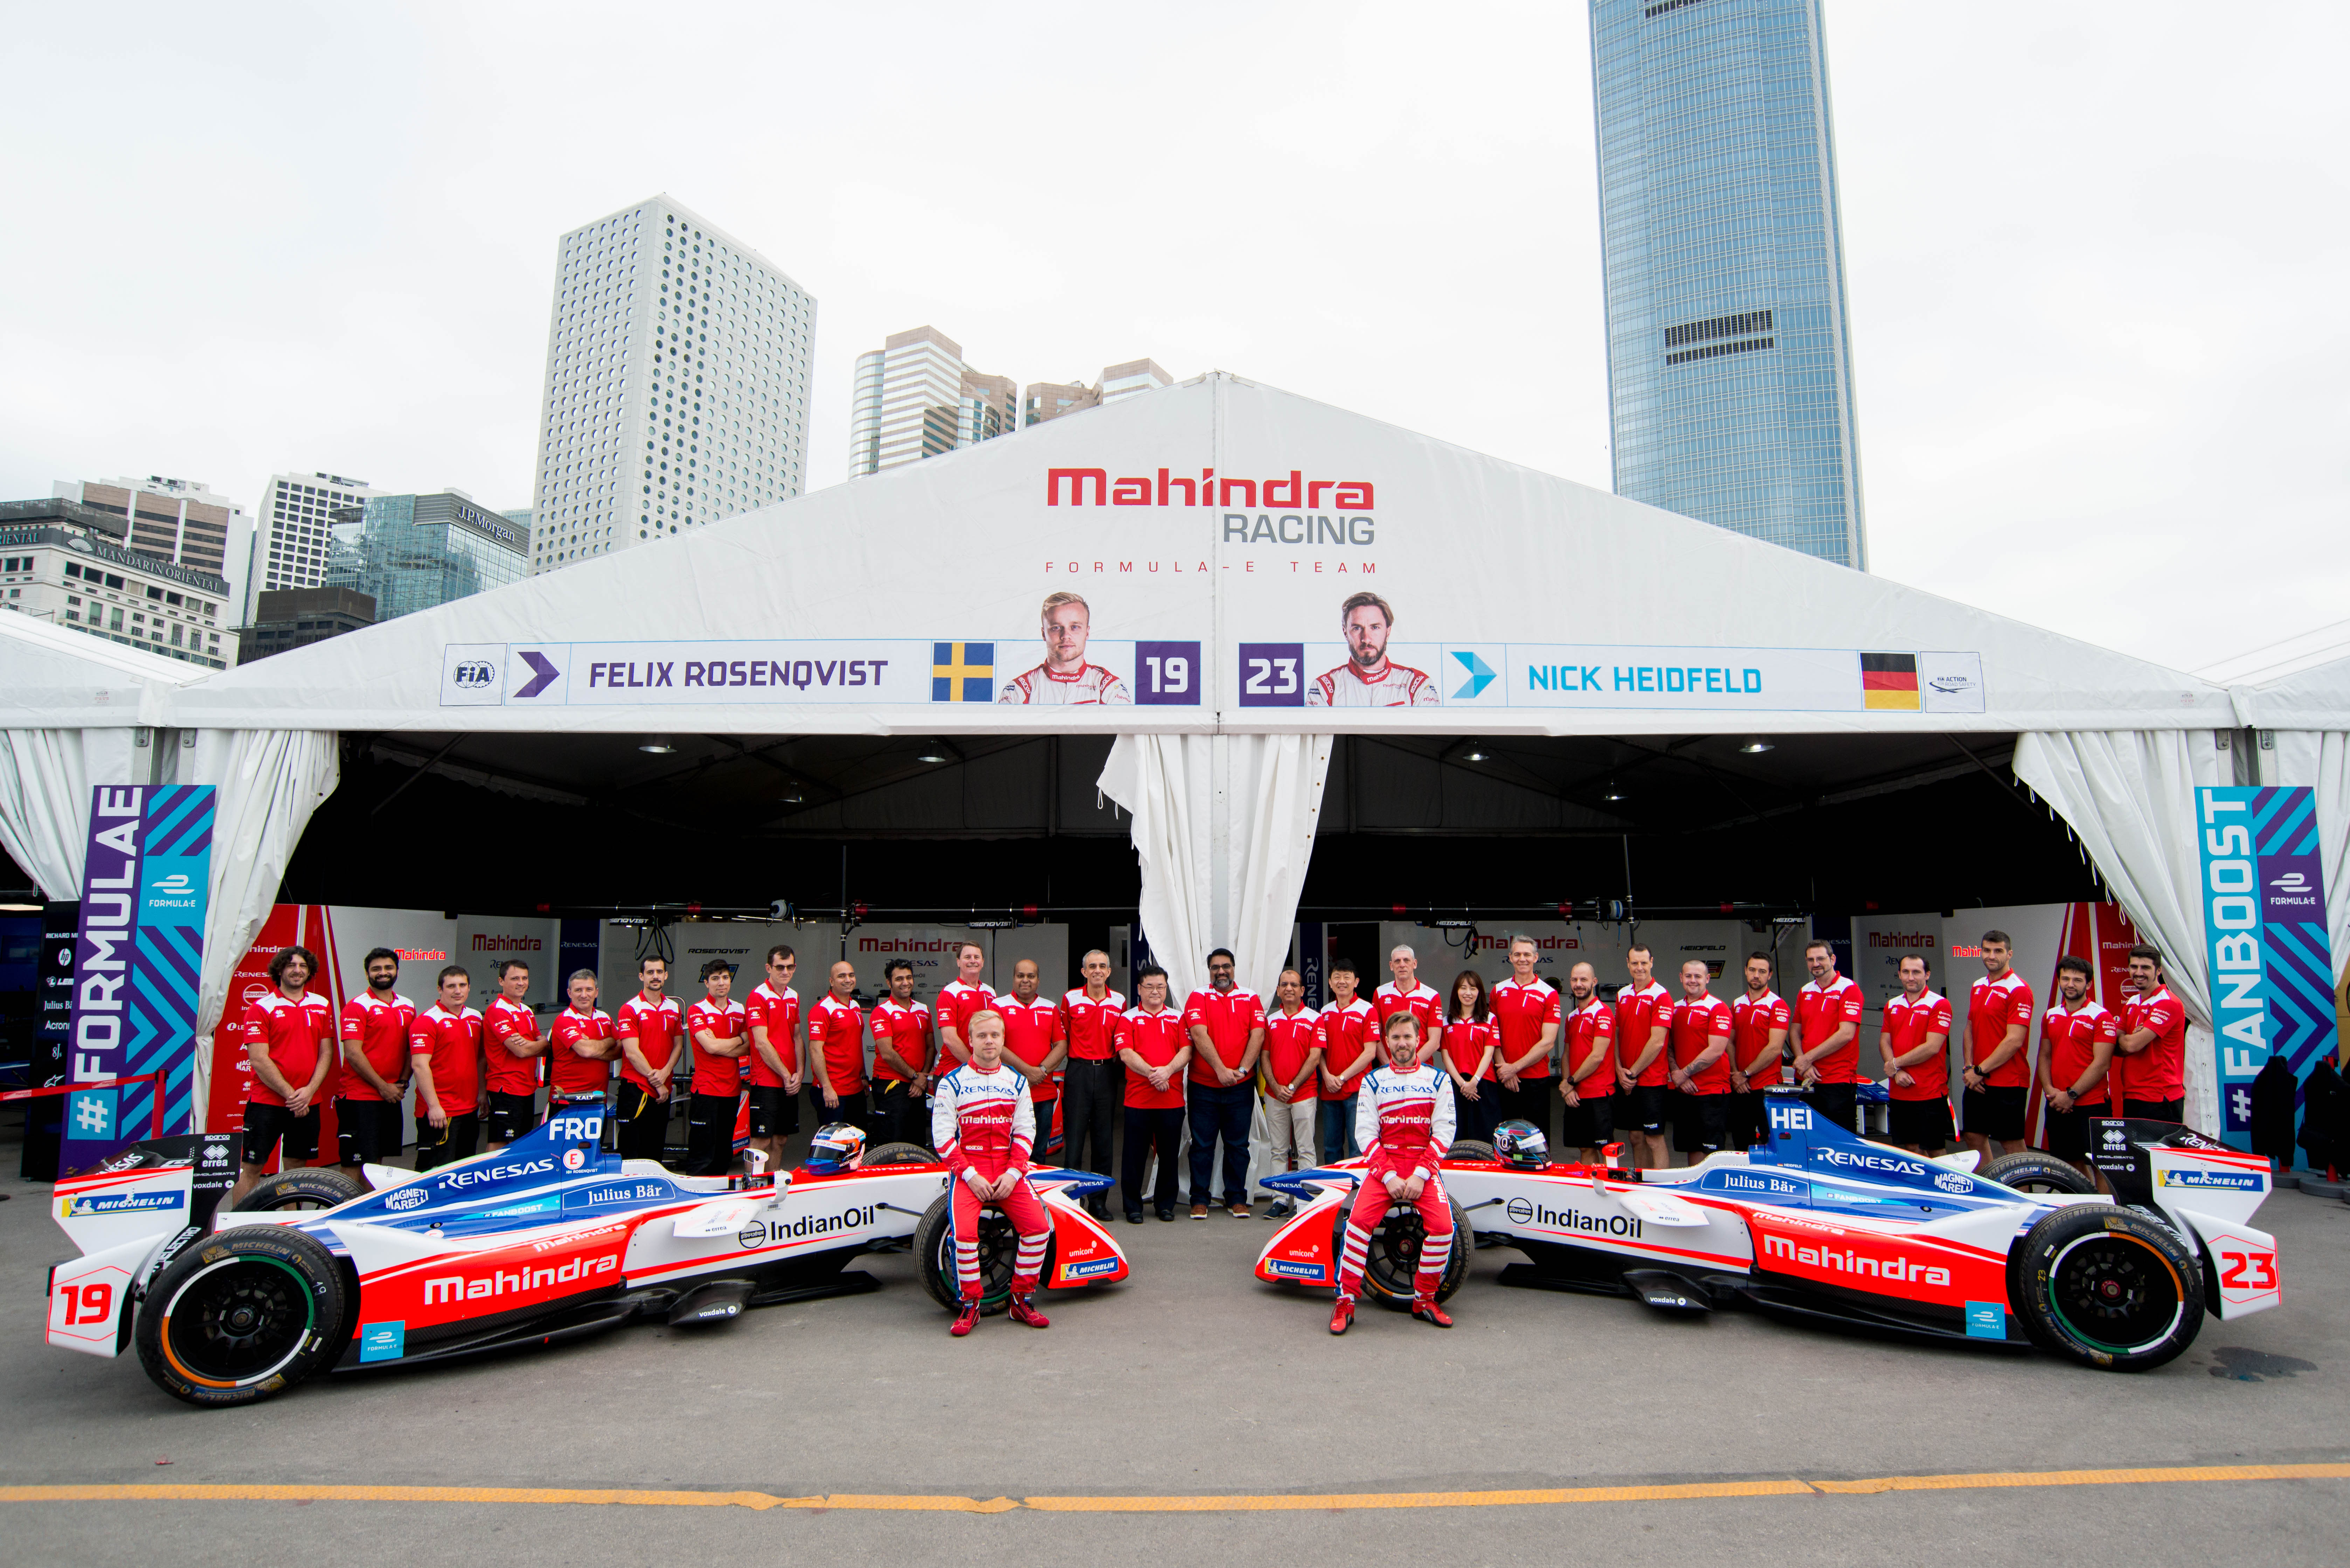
x=1729, y=357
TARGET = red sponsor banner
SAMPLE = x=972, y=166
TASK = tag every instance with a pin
x=1912, y=1268
x=478, y=1284
x=288, y=925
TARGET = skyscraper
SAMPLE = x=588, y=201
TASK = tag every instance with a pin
x=1053, y=399
x=408, y=553
x=179, y=520
x=292, y=532
x=677, y=372
x=1729, y=358
x=915, y=398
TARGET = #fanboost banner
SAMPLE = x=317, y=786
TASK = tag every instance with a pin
x=2264, y=926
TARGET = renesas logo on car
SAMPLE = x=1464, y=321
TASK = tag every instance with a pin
x=460, y=1180
x=1525, y=1211
x=93, y=1203
x=2233, y=1180
x=1881, y=1164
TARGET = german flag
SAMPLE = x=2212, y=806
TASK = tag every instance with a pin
x=1889, y=680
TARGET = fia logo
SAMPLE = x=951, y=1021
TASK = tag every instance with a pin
x=474, y=675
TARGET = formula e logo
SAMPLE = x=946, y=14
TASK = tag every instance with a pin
x=406, y=1197
x=1951, y=1181
x=474, y=675
x=178, y=885
x=2236, y=1180
x=2291, y=882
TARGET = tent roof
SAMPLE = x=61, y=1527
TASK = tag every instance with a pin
x=964, y=546
x=2315, y=698
x=58, y=678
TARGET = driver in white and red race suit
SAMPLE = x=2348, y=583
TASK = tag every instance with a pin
x=982, y=1123
x=1404, y=1119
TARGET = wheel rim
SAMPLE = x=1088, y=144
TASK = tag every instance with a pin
x=998, y=1245
x=288, y=1203
x=2114, y=1293
x=1393, y=1257
x=2039, y=1183
x=238, y=1321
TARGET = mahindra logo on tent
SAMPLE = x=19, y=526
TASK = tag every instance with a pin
x=1095, y=487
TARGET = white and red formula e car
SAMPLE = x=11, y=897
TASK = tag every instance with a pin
x=1820, y=1226
x=547, y=1238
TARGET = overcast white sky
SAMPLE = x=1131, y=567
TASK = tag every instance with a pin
x=2097, y=252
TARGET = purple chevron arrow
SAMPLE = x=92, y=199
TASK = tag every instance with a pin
x=543, y=674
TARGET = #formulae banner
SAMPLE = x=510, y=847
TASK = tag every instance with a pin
x=145, y=883
x=2264, y=928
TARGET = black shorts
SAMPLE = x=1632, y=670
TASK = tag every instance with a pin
x=366, y=1132
x=435, y=1147
x=775, y=1111
x=1590, y=1125
x=1699, y=1122
x=266, y=1124
x=1749, y=1119
x=1994, y=1112
x=506, y=1118
x=1644, y=1108
x=1920, y=1124
x=2068, y=1131
x=2156, y=1110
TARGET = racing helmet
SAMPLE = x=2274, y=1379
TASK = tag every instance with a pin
x=837, y=1145
x=1522, y=1144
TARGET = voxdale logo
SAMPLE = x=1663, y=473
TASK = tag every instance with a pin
x=1858, y=1264
x=445, y=1288
x=1523, y=1212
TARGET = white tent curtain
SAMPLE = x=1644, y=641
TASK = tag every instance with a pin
x=268, y=783
x=2129, y=796
x=44, y=782
x=2320, y=759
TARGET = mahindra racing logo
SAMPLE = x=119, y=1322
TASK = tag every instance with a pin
x=484, y=944
x=448, y=1288
x=1093, y=487
x=1859, y=1265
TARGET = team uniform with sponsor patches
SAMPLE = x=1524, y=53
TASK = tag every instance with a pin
x=1822, y=1011
x=898, y=1112
x=1996, y=1110
x=1095, y=1080
x=2072, y=1036
x=2153, y=1083
x=1289, y=1039
x=1031, y=1030
x=983, y=1125
x=450, y=1045
x=717, y=1086
x=1154, y=1117
x=1466, y=1043
x=1639, y=1010
x=1752, y=1021
x=836, y=1030
x=954, y=1010
x=574, y=1079
x=1591, y=1122
x=1348, y=1052
x=1520, y=1014
x=1388, y=685
x=1090, y=684
x=655, y=1027
x=1222, y=1110
x=295, y=1033
x=1404, y=1122
x=367, y=1126
x=1918, y=1114
x=774, y=1110
x=510, y=1107
x=1700, y=1114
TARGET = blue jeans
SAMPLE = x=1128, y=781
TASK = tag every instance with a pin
x=1338, y=1130
x=1221, y=1112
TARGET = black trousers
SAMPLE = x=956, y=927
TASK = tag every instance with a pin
x=900, y=1115
x=710, y=1134
x=1534, y=1100
x=855, y=1109
x=1149, y=1132
x=1091, y=1097
x=644, y=1122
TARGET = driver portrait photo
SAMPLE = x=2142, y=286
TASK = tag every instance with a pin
x=1369, y=678
x=1064, y=677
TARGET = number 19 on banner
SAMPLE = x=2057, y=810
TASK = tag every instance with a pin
x=1166, y=673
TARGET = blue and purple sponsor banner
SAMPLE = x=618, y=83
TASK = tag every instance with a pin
x=2263, y=901
x=145, y=883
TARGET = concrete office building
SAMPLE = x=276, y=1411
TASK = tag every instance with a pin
x=914, y=398
x=677, y=384
x=70, y=565
x=295, y=618
x=1052, y=399
x=290, y=532
x=1729, y=353
x=178, y=519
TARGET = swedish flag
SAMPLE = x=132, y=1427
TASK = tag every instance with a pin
x=963, y=672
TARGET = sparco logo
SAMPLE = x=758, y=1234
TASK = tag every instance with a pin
x=1095, y=487
x=1522, y=1211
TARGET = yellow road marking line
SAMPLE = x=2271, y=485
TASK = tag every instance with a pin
x=1234, y=1503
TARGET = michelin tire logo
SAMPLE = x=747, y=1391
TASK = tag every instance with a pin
x=1290, y=1271
x=1088, y=1269
x=98, y=1203
x=2233, y=1180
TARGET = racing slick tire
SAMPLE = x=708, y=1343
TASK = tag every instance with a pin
x=1387, y=1267
x=998, y=1244
x=242, y=1316
x=899, y=1154
x=2028, y=1171
x=1470, y=1148
x=304, y=1187
x=2106, y=1287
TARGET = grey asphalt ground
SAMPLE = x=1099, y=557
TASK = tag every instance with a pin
x=1193, y=1378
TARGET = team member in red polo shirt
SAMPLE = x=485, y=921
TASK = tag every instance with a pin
x=1406, y=993
x=836, y=1054
x=1759, y=1021
x=1155, y=1048
x=1700, y=1075
x=1033, y=1048
x=651, y=1027
x=581, y=1045
x=1227, y=1029
x=444, y=1047
x=1998, y=1069
x=1915, y=1046
x=2151, y=1059
x=772, y=1012
x=1643, y=1018
x=374, y=1076
x=1526, y=1014
x=1349, y=1049
x=1094, y=1087
x=1588, y=1083
x=901, y=1059
x=720, y=1030
x=958, y=1000
x=1472, y=1046
x=289, y=1040
x=510, y=1033
x=1292, y=1094
x=1828, y=1037
x=2078, y=1038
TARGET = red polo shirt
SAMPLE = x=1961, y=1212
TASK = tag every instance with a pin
x=1229, y=1016
x=1289, y=1039
x=1346, y=1053
x=295, y=1034
x=1907, y=1024
x=654, y=1026
x=952, y=1010
x=837, y=1028
x=1519, y=1014
x=451, y=1043
x=906, y=1025
x=1698, y=1022
x=2159, y=1072
x=2073, y=1044
x=1638, y=1013
x=1158, y=1038
x=1992, y=1005
x=1751, y=1021
x=1465, y=1041
x=726, y=1021
x=1090, y=1026
x=1422, y=1002
x=1825, y=1010
x=1031, y=1030
x=567, y=1071
x=779, y=1015
x=1595, y=1020
x=380, y=1029
x=503, y=1020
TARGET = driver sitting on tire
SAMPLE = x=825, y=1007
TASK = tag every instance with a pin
x=983, y=1124
x=1404, y=1119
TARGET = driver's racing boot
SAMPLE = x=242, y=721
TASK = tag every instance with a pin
x=1424, y=1306
x=1024, y=1310
x=1342, y=1316
x=965, y=1320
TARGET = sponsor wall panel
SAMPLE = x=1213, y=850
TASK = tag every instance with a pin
x=1723, y=944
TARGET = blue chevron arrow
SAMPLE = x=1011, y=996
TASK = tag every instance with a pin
x=1481, y=674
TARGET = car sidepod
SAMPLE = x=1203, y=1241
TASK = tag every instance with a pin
x=1084, y=1251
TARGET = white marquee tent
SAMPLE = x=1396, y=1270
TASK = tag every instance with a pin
x=1224, y=537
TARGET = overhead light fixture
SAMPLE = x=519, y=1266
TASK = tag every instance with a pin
x=1613, y=794
x=21, y=909
x=658, y=746
x=1755, y=744
x=792, y=795
x=1472, y=756
x=930, y=754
